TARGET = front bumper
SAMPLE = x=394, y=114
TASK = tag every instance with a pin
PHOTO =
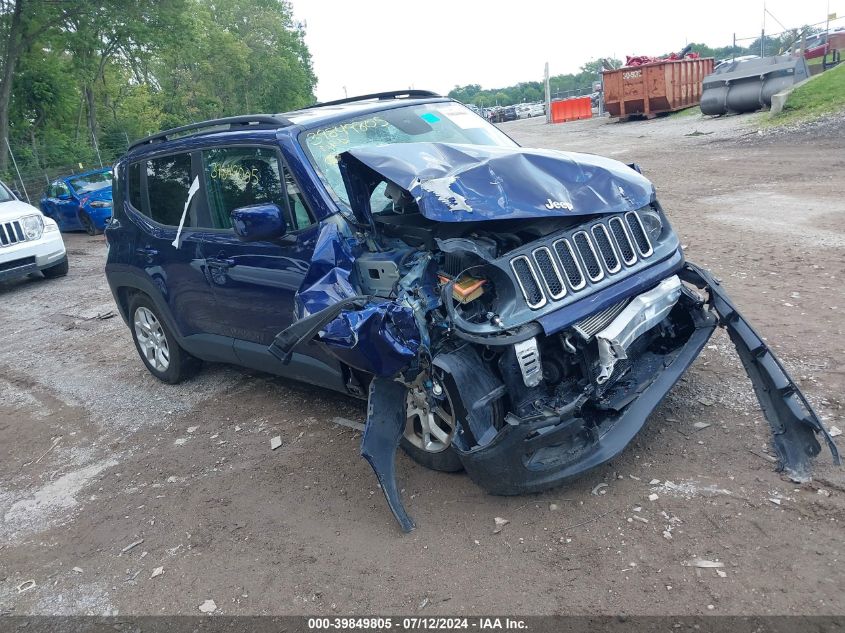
x=23, y=258
x=530, y=455
x=534, y=455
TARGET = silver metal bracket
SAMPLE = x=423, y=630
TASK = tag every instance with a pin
x=528, y=357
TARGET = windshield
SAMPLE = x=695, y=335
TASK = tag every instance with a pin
x=431, y=122
x=91, y=182
x=5, y=195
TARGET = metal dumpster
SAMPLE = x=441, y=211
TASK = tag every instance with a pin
x=745, y=86
x=654, y=88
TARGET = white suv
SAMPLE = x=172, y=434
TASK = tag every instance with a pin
x=29, y=242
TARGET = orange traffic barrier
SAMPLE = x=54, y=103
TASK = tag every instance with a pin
x=571, y=109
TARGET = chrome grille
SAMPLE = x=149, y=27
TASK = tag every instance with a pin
x=549, y=272
x=638, y=233
x=11, y=233
x=608, y=254
x=623, y=242
x=528, y=282
x=588, y=255
x=570, y=265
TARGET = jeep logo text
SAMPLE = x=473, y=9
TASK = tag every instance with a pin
x=554, y=204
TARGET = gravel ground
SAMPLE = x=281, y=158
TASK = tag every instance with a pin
x=97, y=455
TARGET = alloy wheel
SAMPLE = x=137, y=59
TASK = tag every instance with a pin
x=429, y=426
x=151, y=339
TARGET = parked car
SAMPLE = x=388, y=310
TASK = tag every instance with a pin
x=508, y=113
x=538, y=109
x=29, y=242
x=516, y=313
x=523, y=111
x=80, y=202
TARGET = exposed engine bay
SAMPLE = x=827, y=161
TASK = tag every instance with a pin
x=517, y=314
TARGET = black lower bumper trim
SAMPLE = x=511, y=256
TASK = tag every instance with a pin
x=509, y=465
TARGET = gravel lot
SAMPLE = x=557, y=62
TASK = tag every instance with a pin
x=97, y=455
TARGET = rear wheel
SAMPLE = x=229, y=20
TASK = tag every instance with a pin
x=156, y=345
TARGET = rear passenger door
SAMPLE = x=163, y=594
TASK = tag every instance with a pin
x=157, y=190
x=254, y=282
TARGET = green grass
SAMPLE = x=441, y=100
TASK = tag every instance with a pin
x=823, y=95
x=691, y=111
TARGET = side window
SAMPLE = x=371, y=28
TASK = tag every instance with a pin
x=168, y=181
x=242, y=176
x=301, y=217
x=62, y=189
x=134, y=178
x=51, y=190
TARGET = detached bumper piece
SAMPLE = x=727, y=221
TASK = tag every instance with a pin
x=793, y=422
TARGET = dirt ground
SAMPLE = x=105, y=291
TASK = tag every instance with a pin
x=96, y=455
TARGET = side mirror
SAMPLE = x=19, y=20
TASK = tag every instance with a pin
x=64, y=196
x=258, y=222
x=17, y=194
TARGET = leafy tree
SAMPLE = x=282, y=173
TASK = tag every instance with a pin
x=75, y=75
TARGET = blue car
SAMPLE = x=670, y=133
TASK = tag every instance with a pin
x=80, y=202
x=515, y=313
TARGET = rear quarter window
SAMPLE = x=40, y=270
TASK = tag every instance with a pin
x=168, y=181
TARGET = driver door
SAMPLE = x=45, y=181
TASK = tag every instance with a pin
x=255, y=283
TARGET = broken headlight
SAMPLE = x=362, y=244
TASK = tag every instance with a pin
x=33, y=226
x=652, y=224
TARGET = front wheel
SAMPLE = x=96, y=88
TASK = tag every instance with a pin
x=56, y=270
x=163, y=356
x=429, y=429
x=88, y=224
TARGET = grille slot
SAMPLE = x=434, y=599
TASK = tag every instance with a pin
x=588, y=255
x=528, y=282
x=608, y=254
x=571, y=268
x=623, y=242
x=549, y=272
x=11, y=233
x=638, y=233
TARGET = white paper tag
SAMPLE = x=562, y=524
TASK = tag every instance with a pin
x=195, y=186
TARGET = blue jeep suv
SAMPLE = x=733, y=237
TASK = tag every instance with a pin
x=516, y=313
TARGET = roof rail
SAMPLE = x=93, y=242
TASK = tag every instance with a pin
x=393, y=94
x=256, y=120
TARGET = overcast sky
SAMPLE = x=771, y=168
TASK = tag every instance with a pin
x=376, y=45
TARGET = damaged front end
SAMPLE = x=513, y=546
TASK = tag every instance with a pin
x=518, y=314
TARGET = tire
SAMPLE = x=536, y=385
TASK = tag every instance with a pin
x=441, y=456
x=56, y=270
x=88, y=224
x=156, y=344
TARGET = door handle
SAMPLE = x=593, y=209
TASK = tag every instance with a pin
x=220, y=262
x=149, y=253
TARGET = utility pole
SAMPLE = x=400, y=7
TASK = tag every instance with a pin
x=12, y=154
x=548, y=94
x=763, y=32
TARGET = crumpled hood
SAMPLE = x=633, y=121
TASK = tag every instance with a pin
x=466, y=183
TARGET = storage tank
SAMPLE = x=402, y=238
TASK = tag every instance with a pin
x=654, y=88
x=748, y=85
